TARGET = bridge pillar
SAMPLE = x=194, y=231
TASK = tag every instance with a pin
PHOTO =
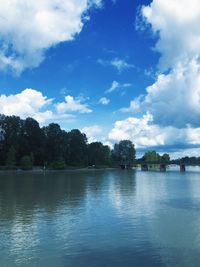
x=144, y=167
x=182, y=168
x=162, y=167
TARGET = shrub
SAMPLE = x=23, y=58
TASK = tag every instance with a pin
x=59, y=164
x=26, y=163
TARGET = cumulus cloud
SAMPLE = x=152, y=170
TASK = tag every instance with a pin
x=144, y=133
x=177, y=25
x=104, y=101
x=116, y=85
x=28, y=103
x=72, y=105
x=29, y=28
x=172, y=103
x=174, y=98
x=92, y=132
x=32, y=103
x=135, y=105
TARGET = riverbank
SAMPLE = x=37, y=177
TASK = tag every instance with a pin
x=42, y=170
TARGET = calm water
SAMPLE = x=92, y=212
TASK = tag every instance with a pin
x=100, y=218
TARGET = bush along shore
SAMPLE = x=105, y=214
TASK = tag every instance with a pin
x=24, y=145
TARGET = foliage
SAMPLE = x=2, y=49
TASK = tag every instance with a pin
x=11, y=160
x=26, y=163
x=165, y=158
x=59, y=164
x=77, y=149
x=124, y=153
x=34, y=140
x=10, y=136
x=195, y=161
x=24, y=143
x=98, y=154
x=53, y=148
x=152, y=157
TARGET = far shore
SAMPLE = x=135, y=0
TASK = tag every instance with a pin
x=41, y=170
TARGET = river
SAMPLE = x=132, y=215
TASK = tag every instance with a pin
x=100, y=218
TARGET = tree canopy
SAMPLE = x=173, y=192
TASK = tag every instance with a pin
x=124, y=153
x=153, y=157
x=25, y=144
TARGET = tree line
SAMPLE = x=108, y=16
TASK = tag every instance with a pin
x=154, y=157
x=192, y=161
x=24, y=144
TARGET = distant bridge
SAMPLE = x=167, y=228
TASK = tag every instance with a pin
x=159, y=167
x=151, y=166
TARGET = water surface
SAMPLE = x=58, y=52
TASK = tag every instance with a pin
x=100, y=218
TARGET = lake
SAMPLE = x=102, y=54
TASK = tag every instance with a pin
x=100, y=218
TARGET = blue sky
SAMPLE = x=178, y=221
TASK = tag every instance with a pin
x=124, y=69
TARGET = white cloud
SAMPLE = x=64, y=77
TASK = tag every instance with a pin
x=121, y=64
x=72, y=105
x=138, y=130
x=177, y=24
x=180, y=153
x=92, y=133
x=104, y=101
x=174, y=99
x=135, y=105
x=97, y=3
x=144, y=133
x=28, y=103
x=113, y=87
x=116, y=85
x=32, y=103
x=117, y=63
x=29, y=28
x=172, y=103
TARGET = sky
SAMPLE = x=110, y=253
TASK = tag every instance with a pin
x=115, y=69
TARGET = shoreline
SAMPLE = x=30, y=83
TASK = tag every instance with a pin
x=54, y=170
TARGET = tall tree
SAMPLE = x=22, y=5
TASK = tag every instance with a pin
x=152, y=157
x=24, y=142
x=165, y=158
x=11, y=158
x=77, y=148
x=11, y=131
x=54, y=149
x=98, y=154
x=33, y=141
x=124, y=152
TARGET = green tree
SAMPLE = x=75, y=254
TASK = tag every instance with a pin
x=26, y=163
x=11, y=130
x=54, y=142
x=165, y=158
x=59, y=164
x=77, y=148
x=152, y=157
x=53, y=146
x=124, y=153
x=98, y=154
x=11, y=159
x=33, y=141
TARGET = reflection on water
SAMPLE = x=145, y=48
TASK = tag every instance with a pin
x=100, y=218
